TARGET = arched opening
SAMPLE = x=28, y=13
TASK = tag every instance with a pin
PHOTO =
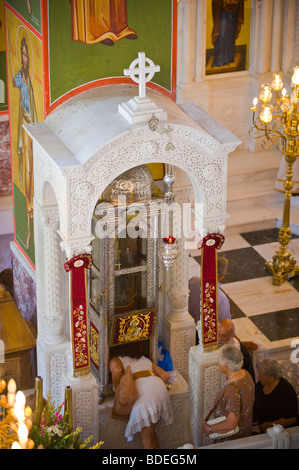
x=129, y=221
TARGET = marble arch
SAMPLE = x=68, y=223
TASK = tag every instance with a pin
x=78, y=150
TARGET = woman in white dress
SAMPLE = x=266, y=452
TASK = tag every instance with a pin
x=153, y=401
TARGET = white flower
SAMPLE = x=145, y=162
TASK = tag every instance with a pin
x=55, y=429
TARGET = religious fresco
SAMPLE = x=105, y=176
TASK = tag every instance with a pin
x=26, y=98
x=63, y=61
x=102, y=21
x=227, y=36
x=3, y=80
x=101, y=38
x=29, y=10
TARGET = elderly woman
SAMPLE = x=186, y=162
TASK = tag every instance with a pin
x=275, y=397
x=235, y=399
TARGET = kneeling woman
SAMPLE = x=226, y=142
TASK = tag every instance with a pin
x=153, y=401
x=235, y=400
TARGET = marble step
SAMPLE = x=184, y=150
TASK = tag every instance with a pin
x=245, y=166
x=252, y=202
x=261, y=218
x=244, y=162
x=252, y=193
x=248, y=177
x=257, y=218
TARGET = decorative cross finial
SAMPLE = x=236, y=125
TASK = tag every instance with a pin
x=141, y=73
x=140, y=108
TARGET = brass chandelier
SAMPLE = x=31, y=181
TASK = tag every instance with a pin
x=279, y=125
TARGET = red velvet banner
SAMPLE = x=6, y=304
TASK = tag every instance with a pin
x=209, y=283
x=79, y=307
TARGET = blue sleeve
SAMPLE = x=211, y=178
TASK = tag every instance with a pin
x=18, y=79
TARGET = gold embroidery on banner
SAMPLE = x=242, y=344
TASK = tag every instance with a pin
x=94, y=345
x=209, y=314
x=80, y=338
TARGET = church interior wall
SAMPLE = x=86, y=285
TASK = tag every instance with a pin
x=227, y=97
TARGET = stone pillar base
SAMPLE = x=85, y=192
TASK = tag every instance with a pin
x=51, y=364
x=178, y=337
x=85, y=404
x=205, y=381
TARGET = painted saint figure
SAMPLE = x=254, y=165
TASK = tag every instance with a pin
x=103, y=21
x=228, y=17
x=27, y=114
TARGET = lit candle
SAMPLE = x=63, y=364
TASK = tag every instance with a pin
x=20, y=399
x=266, y=115
x=169, y=240
x=283, y=92
x=277, y=83
x=23, y=435
x=265, y=94
x=11, y=387
x=295, y=76
x=16, y=445
x=19, y=407
x=254, y=102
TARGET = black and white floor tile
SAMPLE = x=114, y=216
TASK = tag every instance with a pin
x=259, y=310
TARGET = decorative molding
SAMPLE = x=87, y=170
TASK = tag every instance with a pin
x=77, y=189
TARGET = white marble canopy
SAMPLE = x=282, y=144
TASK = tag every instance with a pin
x=78, y=150
x=85, y=143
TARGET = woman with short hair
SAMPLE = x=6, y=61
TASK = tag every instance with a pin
x=234, y=402
x=275, y=397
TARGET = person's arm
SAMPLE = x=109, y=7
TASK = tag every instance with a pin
x=224, y=426
x=250, y=346
x=285, y=422
x=116, y=369
x=165, y=376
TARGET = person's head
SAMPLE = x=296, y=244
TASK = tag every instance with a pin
x=226, y=331
x=269, y=370
x=132, y=349
x=222, y=264
x=24, y=55
x=230, y=358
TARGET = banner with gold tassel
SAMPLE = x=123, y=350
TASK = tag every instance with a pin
x=209, y=288
x=79, y=310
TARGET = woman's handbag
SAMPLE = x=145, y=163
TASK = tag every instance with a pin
x=210, y=422
x=125, y=396
x=221, y=435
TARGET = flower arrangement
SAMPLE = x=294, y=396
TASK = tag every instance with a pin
x=54, y=431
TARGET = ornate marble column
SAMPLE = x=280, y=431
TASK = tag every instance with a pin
x=83, y=384
x=179, y=326
x=54, y=317
x=52, y=342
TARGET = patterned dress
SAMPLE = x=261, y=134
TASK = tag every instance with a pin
x=237, y=397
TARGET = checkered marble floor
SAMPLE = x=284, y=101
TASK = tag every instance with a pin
x=260, y=311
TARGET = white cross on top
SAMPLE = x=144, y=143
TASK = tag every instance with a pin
x=142, y=73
